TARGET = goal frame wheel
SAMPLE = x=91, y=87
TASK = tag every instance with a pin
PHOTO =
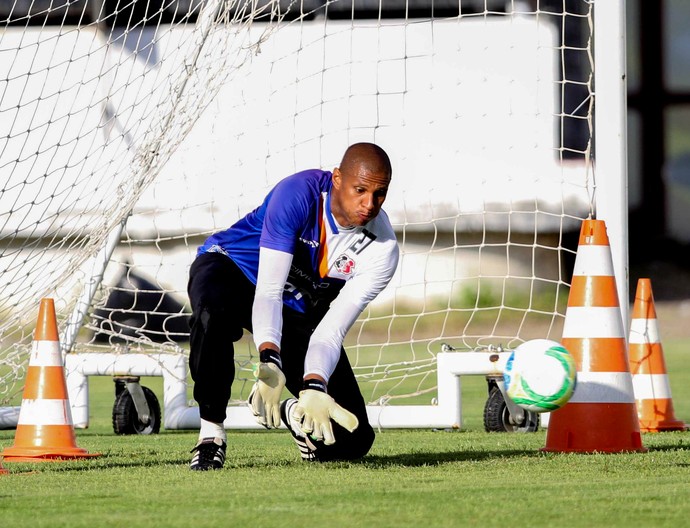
x=136, y=409
x=498, y=417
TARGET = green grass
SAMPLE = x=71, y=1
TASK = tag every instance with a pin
x=419, y=478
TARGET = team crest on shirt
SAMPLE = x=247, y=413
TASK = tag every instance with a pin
x=345, y=265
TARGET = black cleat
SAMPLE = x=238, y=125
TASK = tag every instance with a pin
x=306, y=447
x=209, y=453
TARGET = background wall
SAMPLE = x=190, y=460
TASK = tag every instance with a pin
x=658, y=59
x=658, y=77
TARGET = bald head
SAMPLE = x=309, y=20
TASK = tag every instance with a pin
x=360, y=184
x=368, y=157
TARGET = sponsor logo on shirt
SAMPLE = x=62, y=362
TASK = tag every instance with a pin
x=215, y=248
x=310, y=243
x=345, y=265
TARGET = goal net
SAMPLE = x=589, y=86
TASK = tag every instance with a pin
x=132, y=129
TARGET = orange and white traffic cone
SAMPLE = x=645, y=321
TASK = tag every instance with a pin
x=44, y=429
x=601, y=415
x=650, y=379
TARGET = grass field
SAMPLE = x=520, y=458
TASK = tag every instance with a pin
x=411, y=478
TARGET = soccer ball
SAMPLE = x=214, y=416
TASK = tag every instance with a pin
x=540, y=375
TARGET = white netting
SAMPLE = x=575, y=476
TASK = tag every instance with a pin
x=180, y=125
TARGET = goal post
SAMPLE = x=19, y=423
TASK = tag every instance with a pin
x=134, y=129
x=611, y=139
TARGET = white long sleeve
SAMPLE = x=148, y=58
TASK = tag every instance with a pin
x=267, y=311
x=326, y=341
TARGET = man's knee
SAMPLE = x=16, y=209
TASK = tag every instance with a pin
x=365, y=439
x=209, y=320
x=348, y=446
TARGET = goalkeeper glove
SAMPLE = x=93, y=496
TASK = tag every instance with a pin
x=264, y=400
x=315, y=409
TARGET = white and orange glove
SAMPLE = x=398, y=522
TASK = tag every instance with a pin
x=315, y=409
x=264, y=399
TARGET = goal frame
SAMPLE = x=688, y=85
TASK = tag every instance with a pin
x=610, y=144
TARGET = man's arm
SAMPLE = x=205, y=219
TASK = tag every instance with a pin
x=267, y=323
x=315, y=408
x=267, y=312
x=327, y=339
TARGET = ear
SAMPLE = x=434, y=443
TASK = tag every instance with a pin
x=337, y=178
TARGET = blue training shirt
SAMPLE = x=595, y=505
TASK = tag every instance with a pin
x=295, y=218
x=290, y=219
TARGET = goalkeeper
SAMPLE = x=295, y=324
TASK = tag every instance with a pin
x=296, y=272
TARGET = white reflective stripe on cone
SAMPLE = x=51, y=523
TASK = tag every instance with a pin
x=45, y=354
x=603, y=387
x=593, y=261
x=651, y=386
x=45, y=412
x=642, y=332
x=592, y=322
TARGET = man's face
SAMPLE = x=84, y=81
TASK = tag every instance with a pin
x=358, y=195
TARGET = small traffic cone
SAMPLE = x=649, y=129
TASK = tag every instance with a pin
x=601, y=415
x=650, y=380
x=44, y=429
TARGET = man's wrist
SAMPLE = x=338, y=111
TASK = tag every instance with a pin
x=268, y=355
x=314, y=384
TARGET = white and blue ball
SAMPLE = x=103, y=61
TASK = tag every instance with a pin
x=540, y=375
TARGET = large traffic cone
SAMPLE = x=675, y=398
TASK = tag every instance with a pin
x=601, y=415
x=44, y=429
x=650, y=380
